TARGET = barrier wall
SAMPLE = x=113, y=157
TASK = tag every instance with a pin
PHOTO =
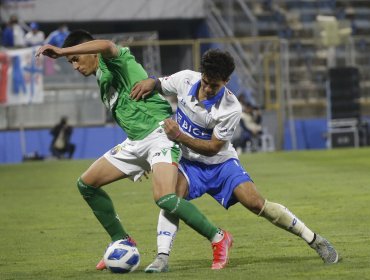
x=91, y=142
x=311, y=134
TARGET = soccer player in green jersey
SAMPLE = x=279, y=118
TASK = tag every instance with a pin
x=146, y=147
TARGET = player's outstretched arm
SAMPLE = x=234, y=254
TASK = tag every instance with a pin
x=105, y=47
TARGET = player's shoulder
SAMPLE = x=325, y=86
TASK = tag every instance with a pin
x=122, y=51
x=186, y=74
x=184, y=78
x=230, y=102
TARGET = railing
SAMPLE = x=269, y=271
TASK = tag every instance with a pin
x=68, y=93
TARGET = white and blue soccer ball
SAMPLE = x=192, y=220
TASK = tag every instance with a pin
x=122, y=256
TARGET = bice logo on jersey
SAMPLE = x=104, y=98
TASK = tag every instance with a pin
x=190, y=127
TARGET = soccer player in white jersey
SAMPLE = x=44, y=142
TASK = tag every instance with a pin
x=206, y=117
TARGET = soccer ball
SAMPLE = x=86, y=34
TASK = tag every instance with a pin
x=121, y=256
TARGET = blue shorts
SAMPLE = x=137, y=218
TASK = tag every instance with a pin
x=218, y=180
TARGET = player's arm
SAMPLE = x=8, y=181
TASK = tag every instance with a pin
x=203, y=147
x=165, y=86
x=105, y=47
x=143, y=88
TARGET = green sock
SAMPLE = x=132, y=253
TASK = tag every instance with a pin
x=103, y=209
x=188, y=213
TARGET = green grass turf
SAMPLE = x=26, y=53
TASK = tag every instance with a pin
x=48, y=232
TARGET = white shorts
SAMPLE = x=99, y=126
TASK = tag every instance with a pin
x=135, y=157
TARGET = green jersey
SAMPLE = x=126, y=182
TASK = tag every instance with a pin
x=116, y=77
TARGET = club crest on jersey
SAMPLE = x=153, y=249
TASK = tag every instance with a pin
x=190, y=127
x=115, y=150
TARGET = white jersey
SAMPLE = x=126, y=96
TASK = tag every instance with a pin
x=219, y=115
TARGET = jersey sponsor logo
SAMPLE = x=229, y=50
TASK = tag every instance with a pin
x=193, y=129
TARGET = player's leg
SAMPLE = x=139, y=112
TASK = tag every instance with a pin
x=163, y=156
x=167, y=228
x=191, y=174
x=70, y=150
x=168, y=224
x=246, y=193
x=166, y=199
x=100, y=173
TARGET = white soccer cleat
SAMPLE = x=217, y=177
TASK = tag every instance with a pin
x=325, y=250
x=160, y=264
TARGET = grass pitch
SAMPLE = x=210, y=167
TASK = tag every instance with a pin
x=47, y=231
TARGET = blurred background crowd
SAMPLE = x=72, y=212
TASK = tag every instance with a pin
x=302, y=72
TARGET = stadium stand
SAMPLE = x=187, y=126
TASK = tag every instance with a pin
x=264, y=66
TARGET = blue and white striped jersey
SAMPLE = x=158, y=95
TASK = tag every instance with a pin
x=219, y=115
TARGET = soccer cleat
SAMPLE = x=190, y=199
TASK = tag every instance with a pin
x=160, y=264
x=101, y=264
x=325, y=250
x=221, y=251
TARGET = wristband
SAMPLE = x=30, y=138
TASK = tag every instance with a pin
x=155, y=80
x=177, y=135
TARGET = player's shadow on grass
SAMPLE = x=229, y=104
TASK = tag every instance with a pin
x=191, y=264
x=260, y=260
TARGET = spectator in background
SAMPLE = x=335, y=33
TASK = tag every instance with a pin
x=35, y=36
x=57, y=37
x=249, y=130
x=61, y=144
x=13, y=34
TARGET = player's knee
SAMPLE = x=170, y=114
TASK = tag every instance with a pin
x=85, y=190
x=256, y=206
x=247, y=194
x=169, y=202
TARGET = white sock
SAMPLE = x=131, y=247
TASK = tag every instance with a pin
x=280, y=216
x=218, y=236
x=166, y=229
x=307, y=234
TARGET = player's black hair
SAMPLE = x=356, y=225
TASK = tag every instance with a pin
x=217, y=64
x=77, y=37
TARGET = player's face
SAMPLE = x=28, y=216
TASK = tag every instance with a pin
x=86, y=64
x=209, y=87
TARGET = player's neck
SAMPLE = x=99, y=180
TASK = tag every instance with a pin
x=201, y=95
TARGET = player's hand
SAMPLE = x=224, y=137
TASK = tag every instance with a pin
x=142, y=89
x=171, y=128
x=50, y=51
x=146, y=174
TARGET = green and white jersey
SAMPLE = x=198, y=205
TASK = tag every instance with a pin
x=116, y=77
